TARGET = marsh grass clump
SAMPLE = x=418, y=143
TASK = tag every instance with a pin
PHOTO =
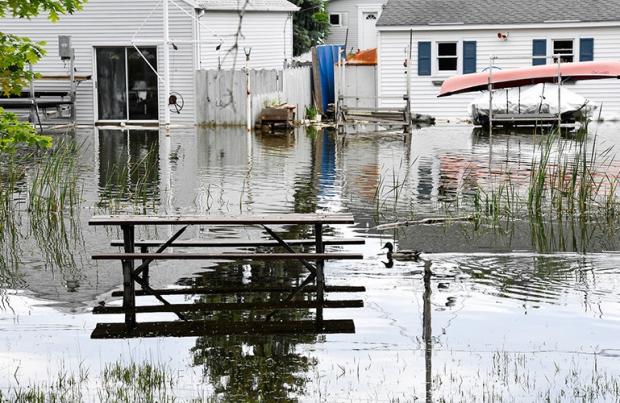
x=11, y=187
x=570, y=184
x=40, y=200
x=390, y=198
x=136, y=383
x=67, y=387
x=55, y=188
x=118, y=382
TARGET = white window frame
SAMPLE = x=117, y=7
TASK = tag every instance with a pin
x=95, y=83
x=552, y=48
x=340, y=20
x=436, y=57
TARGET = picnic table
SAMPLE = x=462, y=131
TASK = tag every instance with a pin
x=135, y=267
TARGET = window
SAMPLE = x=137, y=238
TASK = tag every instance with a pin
x=563, y=47
x=371, y=16
x=447, y=59
x=335, y=20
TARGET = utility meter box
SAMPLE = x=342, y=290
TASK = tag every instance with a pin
x=64, y=47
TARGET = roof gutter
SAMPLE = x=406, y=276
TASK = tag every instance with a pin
x=470, y=27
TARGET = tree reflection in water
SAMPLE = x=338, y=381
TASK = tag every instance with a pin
x=253, y=367
x=264, y=367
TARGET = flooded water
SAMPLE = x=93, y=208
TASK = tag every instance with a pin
x=509, y=310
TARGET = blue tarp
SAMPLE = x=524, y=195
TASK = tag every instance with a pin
x=327, y=56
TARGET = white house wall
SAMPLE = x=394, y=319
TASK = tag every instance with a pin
x=349, y=19
x=516, y=52
x=113, y=23
x=268, y=34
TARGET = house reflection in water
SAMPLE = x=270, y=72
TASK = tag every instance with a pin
x=128, y=165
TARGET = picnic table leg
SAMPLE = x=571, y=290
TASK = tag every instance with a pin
x=320, y=275
x=145, y=275
x=129, y=295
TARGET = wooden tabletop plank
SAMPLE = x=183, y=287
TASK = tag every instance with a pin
x=227, y=256
x=226, y=243
x=197, y=328
x=251, y=219
x=242, y=290
x=232, y=306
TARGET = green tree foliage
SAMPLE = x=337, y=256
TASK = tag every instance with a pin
x=310, y=25
x=13, y=132
x=16, y=54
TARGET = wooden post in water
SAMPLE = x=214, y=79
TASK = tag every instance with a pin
x=129, y=294
x=320, y=275
x=427, y=331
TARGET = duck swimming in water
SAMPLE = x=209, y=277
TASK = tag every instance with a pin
x=402, y=255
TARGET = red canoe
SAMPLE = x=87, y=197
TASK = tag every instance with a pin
x=529, y=76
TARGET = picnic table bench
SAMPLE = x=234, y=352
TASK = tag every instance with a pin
x=139, y=273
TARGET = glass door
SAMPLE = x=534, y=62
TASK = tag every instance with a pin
x=111, y=84
x=126, y=84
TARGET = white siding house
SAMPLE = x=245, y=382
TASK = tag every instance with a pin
x=359, y=17
x=123, y=87
x=266, y=29
x=112, y=24
x=447, y=42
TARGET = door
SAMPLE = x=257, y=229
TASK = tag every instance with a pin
x=126, y=84
x=368, y=29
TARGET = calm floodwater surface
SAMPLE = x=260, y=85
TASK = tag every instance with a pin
x=506, y=315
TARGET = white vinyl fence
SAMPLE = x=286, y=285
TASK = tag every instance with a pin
x=221, y=95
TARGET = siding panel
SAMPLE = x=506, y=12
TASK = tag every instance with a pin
x=268, y=34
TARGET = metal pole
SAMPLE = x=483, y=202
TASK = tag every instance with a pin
x=337, y=87
x=343, y=72
x=408, y=103
x=73, y=88
x=490, y=95
x=559, y=95
x=166, y=65
x=408, y=114
x=248, y=101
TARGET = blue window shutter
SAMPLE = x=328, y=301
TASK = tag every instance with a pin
x=469, y=57
x=539, y=48
x=424, y=58
x=586, y=49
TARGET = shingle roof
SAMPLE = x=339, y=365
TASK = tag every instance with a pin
x=253, y=5
x=480, y=12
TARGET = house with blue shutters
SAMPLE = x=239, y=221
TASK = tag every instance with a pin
x=452, y=37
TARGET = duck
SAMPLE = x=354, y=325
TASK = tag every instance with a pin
x=402, y=255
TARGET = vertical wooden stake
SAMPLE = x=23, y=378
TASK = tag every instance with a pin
x=427, y=331
x=129, y=295
x=320, y=275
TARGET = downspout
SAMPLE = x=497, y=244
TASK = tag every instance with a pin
x=290, y=17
